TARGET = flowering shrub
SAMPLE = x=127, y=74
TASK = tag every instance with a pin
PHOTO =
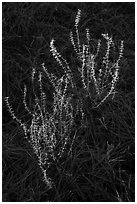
x=50, y=133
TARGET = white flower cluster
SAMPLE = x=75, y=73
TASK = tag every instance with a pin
x=50, y=133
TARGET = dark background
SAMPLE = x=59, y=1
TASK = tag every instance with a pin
x=27, y=29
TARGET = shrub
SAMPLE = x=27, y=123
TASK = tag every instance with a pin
x=52, y=133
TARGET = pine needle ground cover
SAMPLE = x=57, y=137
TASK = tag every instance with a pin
x=68, y=102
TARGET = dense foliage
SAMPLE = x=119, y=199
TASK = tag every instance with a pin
x=98, y=163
